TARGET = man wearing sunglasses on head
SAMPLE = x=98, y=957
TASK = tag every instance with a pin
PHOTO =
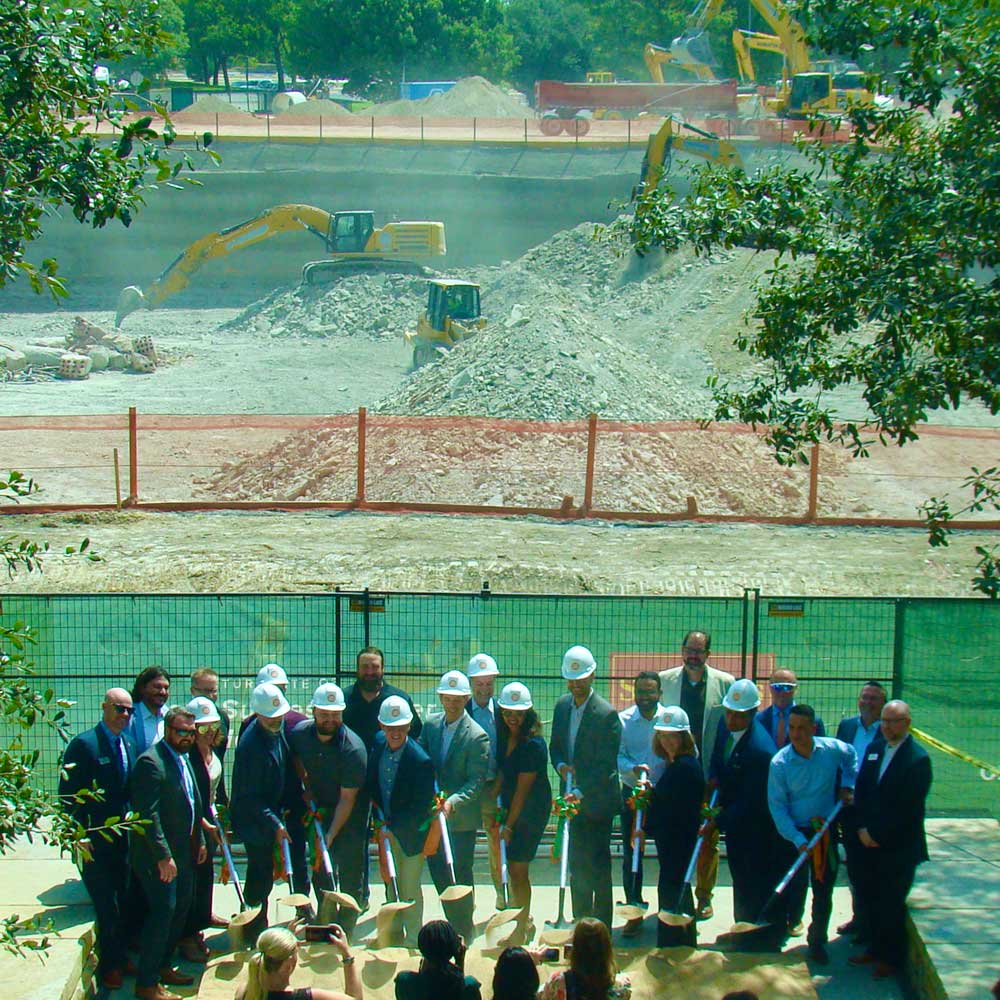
x=103, y=758
x=775, y=717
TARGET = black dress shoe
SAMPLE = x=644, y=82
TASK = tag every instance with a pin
x=819, y=954
x=851, y=927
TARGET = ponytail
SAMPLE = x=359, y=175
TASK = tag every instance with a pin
x=274, y=947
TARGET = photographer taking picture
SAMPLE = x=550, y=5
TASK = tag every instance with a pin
x=273, y=962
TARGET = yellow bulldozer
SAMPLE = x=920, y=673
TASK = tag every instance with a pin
x=452, y=315
x=351, y=239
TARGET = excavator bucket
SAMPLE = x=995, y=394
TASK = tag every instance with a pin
x=129, y=299
x=693, y=48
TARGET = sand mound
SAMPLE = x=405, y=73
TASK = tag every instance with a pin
x=471, y=97
x=328, y=109
x=212, y=104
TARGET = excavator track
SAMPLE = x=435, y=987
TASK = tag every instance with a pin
x=326, y=272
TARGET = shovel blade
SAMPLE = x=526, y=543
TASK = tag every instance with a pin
x=454, y=892
x=244, y=918
x=556, y=937
x=502, y=917
x=629, y=911
x=672, y=919
x=295, y=899
x=344, y=899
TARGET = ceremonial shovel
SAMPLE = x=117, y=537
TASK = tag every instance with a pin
x=508, y=913
x=295, y=899
x=632, y=911
x=383, y=921
x=245, y=916
x=561, y=927
x=741, y=934
x=338, y=897
x=454, y=891
x=677, y=917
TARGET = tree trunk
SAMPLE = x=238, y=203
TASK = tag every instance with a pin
x=225, y=72
x=279, y=65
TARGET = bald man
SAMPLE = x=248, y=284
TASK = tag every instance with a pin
x=103, y=758
x=890, y=797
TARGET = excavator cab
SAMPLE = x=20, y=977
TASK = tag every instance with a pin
x=350, y=232
x=811, y=92
x=452, y=315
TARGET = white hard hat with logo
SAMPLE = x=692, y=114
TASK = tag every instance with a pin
x=673, y=719
x=267, y=700
x=578, y=663
x=272, y=673
x=329, y=697
x=482, y=665
x=394, y=711
x=515, y=697
x=454, y=682
x=742, y=696
x=204, y=710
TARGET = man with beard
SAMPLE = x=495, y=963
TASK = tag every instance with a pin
x=366, y=694
x=699, y=690
x=149, y=696
x=332, y=763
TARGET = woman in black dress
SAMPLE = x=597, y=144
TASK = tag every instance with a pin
x=525, y=795
x=674, y=817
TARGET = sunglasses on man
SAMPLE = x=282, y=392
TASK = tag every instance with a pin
x=782, y=686
x=209, y=727
x=123, y=709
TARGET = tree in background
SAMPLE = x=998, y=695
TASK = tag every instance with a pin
x=884, y=303
x=49, y=99
x=169, y=53
x=552, y=41
x=217, y=31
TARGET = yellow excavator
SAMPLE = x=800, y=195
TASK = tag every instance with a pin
x=667, y=139
x=452, y=315
x=351, y=240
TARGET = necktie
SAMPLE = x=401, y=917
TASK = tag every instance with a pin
x=730, y=745
x=780, y=733
x=122, y=759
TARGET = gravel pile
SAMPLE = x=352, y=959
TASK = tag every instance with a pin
x=328, y=109
x=212, y=104
x=471, y=97
x=360, y=305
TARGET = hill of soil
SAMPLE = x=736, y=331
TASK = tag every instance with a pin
x=471, y=97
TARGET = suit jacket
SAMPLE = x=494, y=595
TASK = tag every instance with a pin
x=742, y=781
x=136, y=732
x=502, y=731
x=462, y=775
x=767, y=721
x=89, y=759
x=412, y=793
x=594, y=756
x=848, y=728
x=158, y=796
x=264, y=785
x=717, y=684
x=892, y=810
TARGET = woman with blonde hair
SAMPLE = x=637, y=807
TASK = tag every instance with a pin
x=591, y=974
x=270, y=968
x=674, y=817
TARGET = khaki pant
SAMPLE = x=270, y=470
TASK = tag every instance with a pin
x=707, y=871
x=409, y=868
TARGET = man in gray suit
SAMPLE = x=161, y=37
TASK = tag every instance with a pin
x=459, y=748
x=699, y=690
x=164, y=852
x=586, y=732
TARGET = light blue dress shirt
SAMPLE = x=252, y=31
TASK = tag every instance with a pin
x=483, y=714
x=863, y=737
x=799, y=788
x=636, y=746
x=388, y=768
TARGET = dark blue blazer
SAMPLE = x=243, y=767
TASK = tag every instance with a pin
x=89, y=759
x=742, y=782
x=412, y=792
x=766, y=719
x=264, y=785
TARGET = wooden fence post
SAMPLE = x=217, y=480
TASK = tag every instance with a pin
x=133, y=457
x=813, y=482
x=588, y=486
x=359, y=497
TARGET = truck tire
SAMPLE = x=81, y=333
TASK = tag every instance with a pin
x=550, y=125
x=578, y=126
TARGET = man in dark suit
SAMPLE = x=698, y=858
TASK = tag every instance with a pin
x=165, y=794
x=890, y=796
x=860, y=731
x=265, y=786
x=775, y=718
x=102, y=759
x=400, y=784
x=586, y=732
x=739, y=769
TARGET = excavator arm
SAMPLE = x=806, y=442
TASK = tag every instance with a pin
x=656, y=55
x=744, y=41
x=280, y=219
x=699, y=143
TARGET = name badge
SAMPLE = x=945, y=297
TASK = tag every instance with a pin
x=873, y=756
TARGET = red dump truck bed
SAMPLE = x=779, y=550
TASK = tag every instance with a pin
x=628, y=99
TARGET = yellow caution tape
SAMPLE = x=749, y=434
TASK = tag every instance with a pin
x=961, y=755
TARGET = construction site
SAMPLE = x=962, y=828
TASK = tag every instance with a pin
x=429, y=361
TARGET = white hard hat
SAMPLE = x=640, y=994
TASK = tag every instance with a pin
x=673, y=719
x=454, y=682
x=204, y=710
x=394, y=711
x=742, y=696
x=515, y=697
x=267, y=700
x=482, y=665
x=272, y=673
x=578, y=663
x=328, y=697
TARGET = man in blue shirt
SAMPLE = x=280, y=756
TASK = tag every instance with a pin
x=804, y=782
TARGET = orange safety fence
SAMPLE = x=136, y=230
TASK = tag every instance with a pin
x=592, y=468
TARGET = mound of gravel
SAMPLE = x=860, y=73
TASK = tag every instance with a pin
x=471, y=97
x=213, y=104
x=328, y=109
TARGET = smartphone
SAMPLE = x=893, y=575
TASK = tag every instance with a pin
x=567, y=951
x=318, y=932
x=550, y=955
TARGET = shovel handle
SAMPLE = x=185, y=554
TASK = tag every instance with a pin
x=286, y=855
x=504, y=872
x=635, y=846
x=390, y=861
x=227, y=853
x=689, y=874
x=446, y=841
x=813, y=841
x=321, y=837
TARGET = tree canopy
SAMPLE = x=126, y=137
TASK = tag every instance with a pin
x=885, y=291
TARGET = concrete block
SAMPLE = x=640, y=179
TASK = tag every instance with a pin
x=44, y=357
x=100, y=357
x=13, y=360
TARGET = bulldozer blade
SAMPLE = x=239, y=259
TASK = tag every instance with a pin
x=130, y=298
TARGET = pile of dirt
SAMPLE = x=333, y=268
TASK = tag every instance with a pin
x=212, y=104
x=471, y=97
x=376, y=306
x=328, y=109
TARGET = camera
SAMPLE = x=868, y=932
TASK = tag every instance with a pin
x=550, y=955
x=320, y=932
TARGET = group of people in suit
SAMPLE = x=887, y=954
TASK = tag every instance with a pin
x=363, y=763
